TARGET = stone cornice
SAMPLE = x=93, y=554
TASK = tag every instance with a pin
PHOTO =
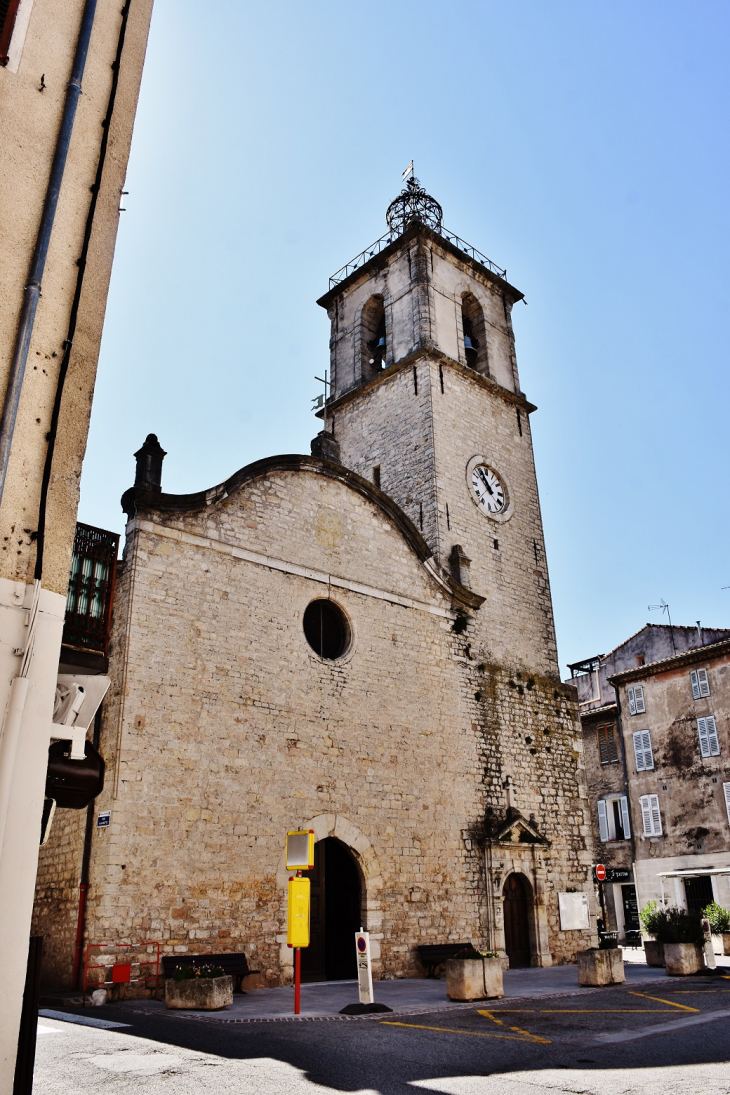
x=138, y=502
x=430, y=353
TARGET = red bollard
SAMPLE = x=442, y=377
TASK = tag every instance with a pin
x=297, y=978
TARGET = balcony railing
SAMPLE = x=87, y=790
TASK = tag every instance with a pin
x=391, y=237
x=91, y=589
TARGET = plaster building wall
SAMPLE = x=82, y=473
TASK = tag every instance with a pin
x=68, y=321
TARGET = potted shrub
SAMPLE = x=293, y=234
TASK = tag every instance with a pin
x=719, y=926
x=601, y=965
x=474, y=975
x=653, y=949
x=201, y=988
x=680, y=930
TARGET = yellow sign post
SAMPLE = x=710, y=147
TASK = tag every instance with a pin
x=299, y=857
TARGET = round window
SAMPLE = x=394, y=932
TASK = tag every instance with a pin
x=326, y=629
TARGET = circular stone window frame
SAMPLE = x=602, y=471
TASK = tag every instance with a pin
x=498, y=518
x=349, y=648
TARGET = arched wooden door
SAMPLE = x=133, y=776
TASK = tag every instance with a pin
x=335, y=914
x=516, y=926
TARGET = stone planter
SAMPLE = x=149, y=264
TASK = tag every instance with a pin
x=681, y=959
x=474, y=978
x=596, y=967
x=654, y=952
x=721, y=943
x=199, y=993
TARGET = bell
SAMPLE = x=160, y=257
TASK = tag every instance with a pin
x=381, y=343
x=468, y=344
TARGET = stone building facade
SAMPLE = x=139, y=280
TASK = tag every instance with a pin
x=358, y=642
x=658, y=774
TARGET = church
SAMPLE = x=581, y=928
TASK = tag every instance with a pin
x=358, y=642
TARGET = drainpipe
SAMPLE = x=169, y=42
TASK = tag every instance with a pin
x=32, y=288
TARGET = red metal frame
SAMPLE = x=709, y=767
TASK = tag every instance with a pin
x=121, y=971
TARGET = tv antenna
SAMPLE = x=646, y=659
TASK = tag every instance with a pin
x=664, y=607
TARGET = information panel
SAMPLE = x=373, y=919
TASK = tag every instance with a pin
x=364, y=967
x=574, y=915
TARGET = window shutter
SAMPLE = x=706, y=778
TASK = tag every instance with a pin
x=712, y=738
x=603, y=744
x=632, y=701
x=8, y=11
x=603, y=821
x=656, y=815
x=726, y=789
x=625, y=817
x=642, y=751
x=704, y=737
x=695, y=684
x=639, y=699
x=646, y=814
x=612, y=745
x=703, y=682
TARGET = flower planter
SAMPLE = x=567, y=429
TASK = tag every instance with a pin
x=654, y=952
x=721, y=943
x=682, y=959
x=601, y=967
x=199, y=993
x=474, y=978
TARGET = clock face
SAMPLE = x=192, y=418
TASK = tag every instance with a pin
x=489, y=489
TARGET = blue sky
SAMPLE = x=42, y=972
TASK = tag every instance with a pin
x=582, y=145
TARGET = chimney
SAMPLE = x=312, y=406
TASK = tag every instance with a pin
x=149, y=464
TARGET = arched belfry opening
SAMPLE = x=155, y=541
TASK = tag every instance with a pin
x=474, y=333
x=373, y=341
x=335, y=913
x=516, y=896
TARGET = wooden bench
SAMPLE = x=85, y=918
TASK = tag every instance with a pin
x=235, y=965
x=435, y=954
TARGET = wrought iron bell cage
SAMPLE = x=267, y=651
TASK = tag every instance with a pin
x=413, y=204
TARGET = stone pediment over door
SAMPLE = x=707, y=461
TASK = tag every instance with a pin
x=513, y=829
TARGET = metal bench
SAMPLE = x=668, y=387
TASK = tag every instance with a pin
x=435, y=954
x=235, y=965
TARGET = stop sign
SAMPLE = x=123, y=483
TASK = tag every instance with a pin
x=600, y=872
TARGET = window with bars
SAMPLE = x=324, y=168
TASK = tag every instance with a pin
x=607, y=744
x=643, y=751
x=709, y=742
x=700, y=684
x=636, y=699
x=8, y=11
x=91, y=588
x=651, y=815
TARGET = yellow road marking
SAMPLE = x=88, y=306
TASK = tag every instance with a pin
x=658, y=1000
x=519, y=1030
x=473, y=1033
x=590, y=1011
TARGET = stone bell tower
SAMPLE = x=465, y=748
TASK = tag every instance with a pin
x=425, y=402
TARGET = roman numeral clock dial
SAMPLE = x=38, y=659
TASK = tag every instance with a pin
x=488, y=489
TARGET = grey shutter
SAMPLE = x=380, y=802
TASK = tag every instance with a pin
x=625, y=817
x=704, y=737
x=712, y=738
x=602, y=820
x=655, y=815
x=646, y=814
x=632, y=701
x=643, y=751
x=703, y=682
x=639, y=699
x=695, y=684
x=726, y=789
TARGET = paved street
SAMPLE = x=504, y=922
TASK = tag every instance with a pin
x=660, y=1035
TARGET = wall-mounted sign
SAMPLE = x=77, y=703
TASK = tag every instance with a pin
x=103, y=818
x=574, y=915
